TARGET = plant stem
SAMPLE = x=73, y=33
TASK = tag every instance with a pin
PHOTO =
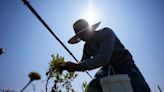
x=47, y=82
x=159, y=88
x=26, y=86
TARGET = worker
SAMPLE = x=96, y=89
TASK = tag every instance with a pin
x=103, y=49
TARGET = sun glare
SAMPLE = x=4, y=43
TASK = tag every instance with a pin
x=90, y=14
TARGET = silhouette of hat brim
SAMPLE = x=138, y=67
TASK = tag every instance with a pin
x=76, y=39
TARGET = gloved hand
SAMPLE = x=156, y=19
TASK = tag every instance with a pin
x=70, y=66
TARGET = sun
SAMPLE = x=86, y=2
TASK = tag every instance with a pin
x=90, y=17
x=90, y=14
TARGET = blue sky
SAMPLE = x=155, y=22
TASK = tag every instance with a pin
x=28, y=45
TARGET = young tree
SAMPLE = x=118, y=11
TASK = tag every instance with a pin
x=62, y=80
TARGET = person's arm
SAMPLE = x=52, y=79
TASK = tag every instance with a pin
x=71, y=66
x=104, y=54
x=86, y=54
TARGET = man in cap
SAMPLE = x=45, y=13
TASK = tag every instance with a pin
x=103, y=49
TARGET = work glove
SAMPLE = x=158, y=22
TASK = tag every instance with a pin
x=70, y=66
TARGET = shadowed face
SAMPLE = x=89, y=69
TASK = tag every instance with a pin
x=86, y=35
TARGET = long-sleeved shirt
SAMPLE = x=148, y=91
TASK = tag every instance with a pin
x=104, y=49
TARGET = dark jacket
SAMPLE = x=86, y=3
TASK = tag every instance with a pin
x=105, y=49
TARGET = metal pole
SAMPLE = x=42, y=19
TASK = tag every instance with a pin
x=49, y=29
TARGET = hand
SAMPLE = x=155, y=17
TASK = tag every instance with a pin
x=70, y=66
